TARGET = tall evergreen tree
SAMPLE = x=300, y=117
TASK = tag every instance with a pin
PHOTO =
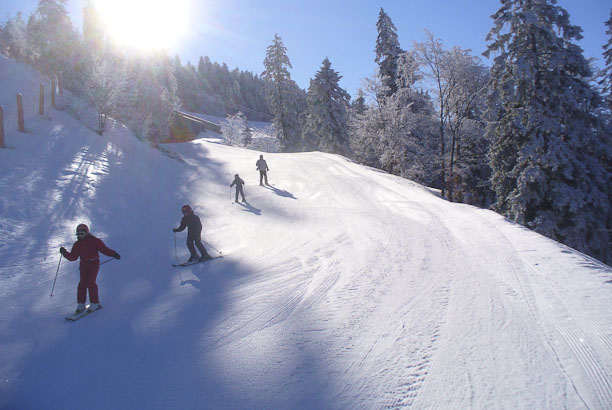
x=546, y=152
x=282, y=95
x=606, y=81
x=93, y=29
x=246, y=134
x=14, y=39
x=53, y=37
x=213, y=89
x=387, y=52
x=103, y=87
x=397, y=133
x=359, y=104
x=148, y=100
x=327, y=111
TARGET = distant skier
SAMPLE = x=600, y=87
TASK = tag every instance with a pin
x=87, y=247
x=262, y=166
x=239, y=184
x=194, y=231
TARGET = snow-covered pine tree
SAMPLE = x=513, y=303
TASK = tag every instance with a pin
x=93, y=29
x=359, y=104
x=396, y=133
x=606, y=81
x=327, y=111
x=365, y=127
x=103, y=88
x=148, y=100
x=545, y=156
x=233, y=126
x=55, y=41
x=282, y=95
x=410, y=122
x=469, y=170
x=387, y=51
x=14, y=39
x=442, y=68
x=246, y=134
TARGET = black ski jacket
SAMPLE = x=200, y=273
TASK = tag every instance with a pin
x=238, y=182
x=192, y=223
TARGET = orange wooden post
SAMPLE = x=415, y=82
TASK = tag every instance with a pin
x=20, y=120
x=41, y=101
x=53, y=93
x=1, y=126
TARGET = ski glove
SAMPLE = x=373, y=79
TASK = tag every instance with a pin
x=117, y=256
x=62, y=250
x=174, y=230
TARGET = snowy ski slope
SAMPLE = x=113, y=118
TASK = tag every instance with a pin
x=341, y=287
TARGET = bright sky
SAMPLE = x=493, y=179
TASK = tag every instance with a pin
x=237, y=32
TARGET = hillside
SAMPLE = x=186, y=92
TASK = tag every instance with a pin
x=340, y=287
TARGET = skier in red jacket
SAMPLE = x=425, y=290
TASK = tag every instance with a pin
x=87, y=247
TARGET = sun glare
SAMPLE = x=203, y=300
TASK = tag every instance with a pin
x=145, y=24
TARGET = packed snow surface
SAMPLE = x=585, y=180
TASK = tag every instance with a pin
x=340, y=286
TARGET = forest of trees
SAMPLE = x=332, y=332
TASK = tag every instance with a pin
x=530, y=136
x=213, y=89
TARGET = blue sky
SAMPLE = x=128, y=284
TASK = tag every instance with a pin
x=237, y=32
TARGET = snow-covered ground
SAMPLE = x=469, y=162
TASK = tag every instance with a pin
x=341, y=287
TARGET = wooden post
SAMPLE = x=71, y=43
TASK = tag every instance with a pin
x=20, y=120
x=1, y=126
x=53, y=93
x=41, y=101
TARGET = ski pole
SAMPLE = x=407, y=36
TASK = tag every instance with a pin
x=175, y=254
x=244, y=191
x=56, y=272
x=108, y=260
x=230, y=194
x=212, y=247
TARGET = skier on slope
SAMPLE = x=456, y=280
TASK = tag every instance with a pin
x=87, y=247
x=262, y=166
x=239, y=183
x=194, y=231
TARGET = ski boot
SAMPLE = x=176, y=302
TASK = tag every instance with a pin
x=93, y=307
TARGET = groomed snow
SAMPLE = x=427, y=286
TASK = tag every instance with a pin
x=340, y=287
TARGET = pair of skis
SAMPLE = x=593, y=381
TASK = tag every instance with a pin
x=80, y=315
x=195, y=262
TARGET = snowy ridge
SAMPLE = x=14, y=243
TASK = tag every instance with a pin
x=341, y=287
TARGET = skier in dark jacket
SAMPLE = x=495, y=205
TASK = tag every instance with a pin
x=194, y=231
x=239, y=184
x=262, y=166
x=87, y=247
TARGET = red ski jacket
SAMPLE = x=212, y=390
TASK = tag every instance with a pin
x=87, y=249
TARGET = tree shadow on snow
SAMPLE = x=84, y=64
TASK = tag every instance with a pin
x=162, y=329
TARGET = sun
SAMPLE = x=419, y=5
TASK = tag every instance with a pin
x=145, y=24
